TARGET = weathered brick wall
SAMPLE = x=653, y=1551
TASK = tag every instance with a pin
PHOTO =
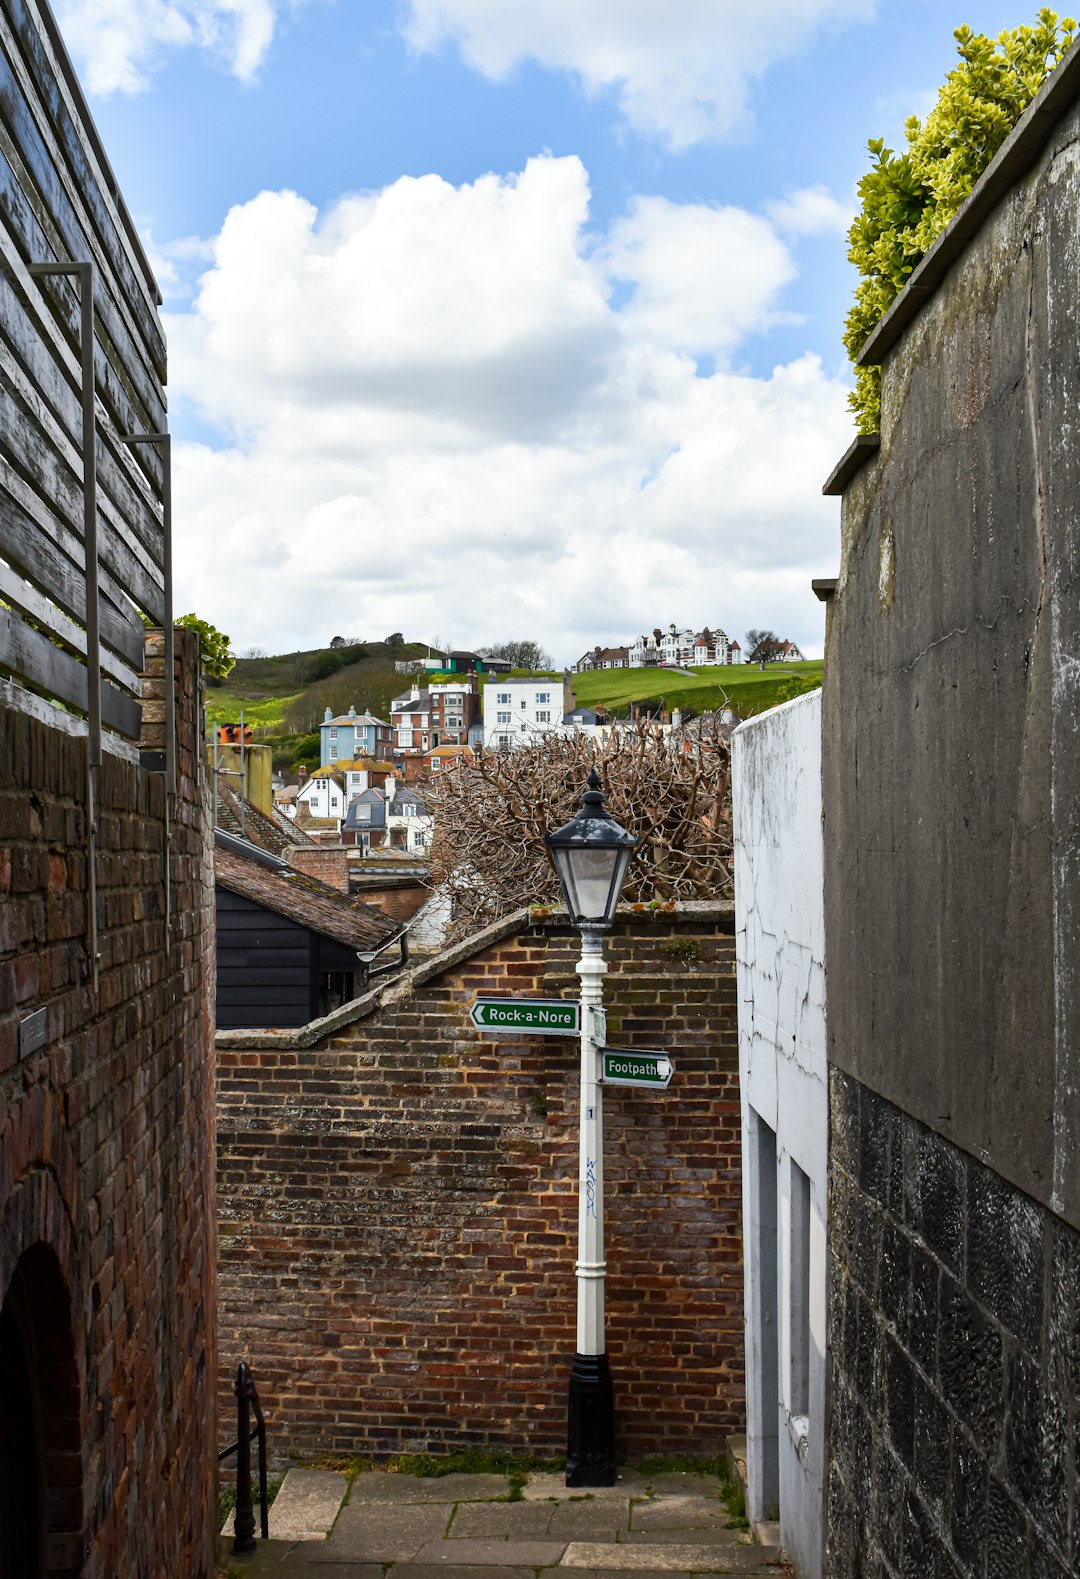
x=398, y=1214
x=106, y=1145
x=329, y=864
x=956, y=1360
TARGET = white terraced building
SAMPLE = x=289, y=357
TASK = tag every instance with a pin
x=519, y=712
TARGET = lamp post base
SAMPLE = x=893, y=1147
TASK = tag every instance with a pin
x=590, y=1424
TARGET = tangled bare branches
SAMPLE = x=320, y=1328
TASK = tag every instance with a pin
x=492, y=814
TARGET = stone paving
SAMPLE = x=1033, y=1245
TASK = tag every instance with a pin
x=388, y=1526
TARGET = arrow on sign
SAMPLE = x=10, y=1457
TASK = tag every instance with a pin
x=532, y=1016
x=624, y=1068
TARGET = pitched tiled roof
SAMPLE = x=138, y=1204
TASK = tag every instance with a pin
x=275, y=833
x=301, y=898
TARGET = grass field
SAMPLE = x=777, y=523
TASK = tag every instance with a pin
x=223, y=706
x=748, y=688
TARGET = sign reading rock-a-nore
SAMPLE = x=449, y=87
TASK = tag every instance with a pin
x=637, y=1069
x=525, y=1016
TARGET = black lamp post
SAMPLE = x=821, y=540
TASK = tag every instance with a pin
x=591, y=855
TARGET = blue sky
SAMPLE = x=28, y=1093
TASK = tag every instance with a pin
x=596, y=392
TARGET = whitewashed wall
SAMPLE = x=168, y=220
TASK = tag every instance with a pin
x=779, y=903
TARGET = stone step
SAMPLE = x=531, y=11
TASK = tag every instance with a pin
x=658, y=1557
x=305, y=1507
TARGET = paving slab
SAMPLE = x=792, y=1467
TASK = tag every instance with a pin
x=681, y=1483
x=377, y=1533
x=684, y=1534
x=306, y=1505
x=680, y=1513
x=602, y=1520
x=678, y=1558
x=376, y=1485
x=493, y=1554
x=453, y=1571
x=501, y=1521
x=545, y=1485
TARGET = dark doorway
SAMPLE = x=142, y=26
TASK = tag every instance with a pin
x=39, y=1384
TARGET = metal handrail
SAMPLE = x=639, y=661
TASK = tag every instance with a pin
x=247, y=1399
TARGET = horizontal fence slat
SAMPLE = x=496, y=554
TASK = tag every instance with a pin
x=127, y=385
x=34, y=544
x=29, y=601
x=57, y=481
x=57, y=125
x=32, y=658
x=47, y=375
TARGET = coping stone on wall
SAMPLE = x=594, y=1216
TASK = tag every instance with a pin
x=448, y=958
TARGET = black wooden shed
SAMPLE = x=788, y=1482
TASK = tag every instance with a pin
x=289, y=948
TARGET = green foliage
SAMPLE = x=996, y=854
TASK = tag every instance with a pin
x=909, y=198
x=214, y=648
x=686, y=949
x=745, y=686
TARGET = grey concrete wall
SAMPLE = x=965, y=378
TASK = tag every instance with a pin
x=955, y=1360
x=951, y=765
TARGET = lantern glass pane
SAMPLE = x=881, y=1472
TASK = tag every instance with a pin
x=587, y=876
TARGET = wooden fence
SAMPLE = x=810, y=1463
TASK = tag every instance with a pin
x=84, y=457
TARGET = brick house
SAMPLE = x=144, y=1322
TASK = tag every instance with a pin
x=410, y=716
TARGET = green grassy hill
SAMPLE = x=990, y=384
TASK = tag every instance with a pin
x=748, y=688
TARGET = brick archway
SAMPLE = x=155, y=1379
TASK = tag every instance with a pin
x=42, y=1511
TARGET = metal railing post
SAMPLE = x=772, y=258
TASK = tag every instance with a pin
x=244, y=1520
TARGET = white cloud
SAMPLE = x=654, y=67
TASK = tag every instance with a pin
x=812, y=211
x=440, y=417
x=681, y=70
x=119, y=42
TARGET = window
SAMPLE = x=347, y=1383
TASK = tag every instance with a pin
x=503, y=696
x=502, y=718
x=543, y=718
x=333, y=732
x=408, y=810
x=404, y=737
x=524, y=704
x=333, y=800
x=543, y=696
x=363, y=813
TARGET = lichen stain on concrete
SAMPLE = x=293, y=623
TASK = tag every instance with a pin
x=886, y=568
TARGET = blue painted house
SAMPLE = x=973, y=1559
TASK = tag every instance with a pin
x=352, y=735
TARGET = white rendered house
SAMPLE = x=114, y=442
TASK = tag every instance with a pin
x=519, y=712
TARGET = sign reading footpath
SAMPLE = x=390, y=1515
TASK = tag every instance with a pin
x=528, y=1016
x=637, y=1069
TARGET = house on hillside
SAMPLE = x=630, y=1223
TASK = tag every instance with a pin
x=322, y=797
x=519, y=712
x=444, y=757
x=289, y=948
x=365, y=820
x=410, y=716
x=351, y=735
x=455, y=707
x=366, y=773
x=409, y=823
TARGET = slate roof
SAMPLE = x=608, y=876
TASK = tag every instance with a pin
x=278, y=887
x=407, y=797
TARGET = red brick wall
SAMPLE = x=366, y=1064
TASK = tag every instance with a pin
x=401, y=903
x=329, y=865
x=106, y=1145
x=398, y=1210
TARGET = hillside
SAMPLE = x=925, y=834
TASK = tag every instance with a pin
x=283, y=698
x=748, y=688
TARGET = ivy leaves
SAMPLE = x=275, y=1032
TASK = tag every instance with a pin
x=909, y=198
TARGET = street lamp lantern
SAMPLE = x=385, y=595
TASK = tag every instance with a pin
x=591, y=855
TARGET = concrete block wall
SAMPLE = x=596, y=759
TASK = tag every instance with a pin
x=398, y=1214
x=956, y=1360
x=106, y=1145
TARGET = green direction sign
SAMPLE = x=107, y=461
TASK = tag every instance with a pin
x=531, y=1016
x=636, y=1069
